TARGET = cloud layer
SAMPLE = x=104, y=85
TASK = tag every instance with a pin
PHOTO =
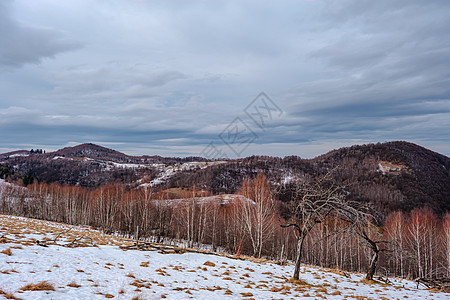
x=167, y=77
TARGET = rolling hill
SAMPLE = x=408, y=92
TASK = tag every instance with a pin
x=394, y=175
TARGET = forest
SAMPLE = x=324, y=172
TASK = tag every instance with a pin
x=318, y=226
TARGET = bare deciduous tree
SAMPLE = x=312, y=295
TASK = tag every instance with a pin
x=311, y=204
x=257, y=215
x=362, y=223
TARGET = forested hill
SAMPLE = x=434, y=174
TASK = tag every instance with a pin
x=393, y=175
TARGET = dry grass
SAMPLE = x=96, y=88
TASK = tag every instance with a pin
x=144, y=264
x=214, y=288
x=7, y=295
x=4, y=240
x=366, y=281
x=209, y=264
x=336, y=293
x=141, y=284
x=322, y=290
x=7, y=252
x=41, y=286
x=50, y=230
x=298, y=282
x=74, y=285
x=246, y=294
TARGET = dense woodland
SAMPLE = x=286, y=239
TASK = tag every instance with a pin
x=422, y=180
x=413, y=244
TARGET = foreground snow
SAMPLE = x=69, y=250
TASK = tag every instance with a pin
x=107, y=271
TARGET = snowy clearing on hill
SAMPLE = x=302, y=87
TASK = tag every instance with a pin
x=48, y=260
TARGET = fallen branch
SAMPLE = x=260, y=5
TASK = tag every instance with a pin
x=385, y=280
x=59, y=234
x=72, y=244
x=437, y=283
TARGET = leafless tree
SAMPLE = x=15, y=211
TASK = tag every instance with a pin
x=311, y=204
x=362, y=223
x=256, y=212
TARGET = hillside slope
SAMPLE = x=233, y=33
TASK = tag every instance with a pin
x=81, y=270
x=393, y=176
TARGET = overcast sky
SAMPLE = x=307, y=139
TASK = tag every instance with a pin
x=171, y=77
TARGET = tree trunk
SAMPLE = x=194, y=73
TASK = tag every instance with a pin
x=299, y=259
x=373, y=265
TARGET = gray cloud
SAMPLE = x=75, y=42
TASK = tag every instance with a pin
x=167, y=77
x=23, y=43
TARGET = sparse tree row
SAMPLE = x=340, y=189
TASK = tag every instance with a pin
x=411, y=245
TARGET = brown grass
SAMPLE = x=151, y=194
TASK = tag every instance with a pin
x=209, y=264
x=41, y=286
x=336, y=293
x=74, y=285
x=7, y=295
x=144, y=264
x=246, y=294
x=18, y=227
x=298, y=282
x=366, y=281
x=109, y=296
x=7, y=252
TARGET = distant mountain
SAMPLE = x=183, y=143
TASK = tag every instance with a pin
x=394, y=175
x=92, y=151
x=90, y=165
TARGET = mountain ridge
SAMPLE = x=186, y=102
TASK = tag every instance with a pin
x=393, y=175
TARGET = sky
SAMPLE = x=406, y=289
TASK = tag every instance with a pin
x=224, y=78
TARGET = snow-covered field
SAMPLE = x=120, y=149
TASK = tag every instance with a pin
x=104, y=270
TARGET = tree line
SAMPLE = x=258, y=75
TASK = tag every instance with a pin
x=318, y=226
